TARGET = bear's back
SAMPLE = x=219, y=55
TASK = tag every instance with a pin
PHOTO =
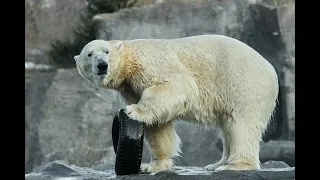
x=204, y=55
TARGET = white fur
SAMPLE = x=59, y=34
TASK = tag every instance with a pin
x=211, y=79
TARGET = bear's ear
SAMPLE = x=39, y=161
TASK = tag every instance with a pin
x=76, y=57
x=118, y=45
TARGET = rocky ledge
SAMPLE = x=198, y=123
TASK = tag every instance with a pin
x=57, y=171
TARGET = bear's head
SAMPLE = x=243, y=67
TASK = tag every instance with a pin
x=98, y=62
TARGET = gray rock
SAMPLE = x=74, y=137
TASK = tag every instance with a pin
x=36, y=86
x=37, y=56
x=55, y=171
x=274, y=164
x=278, y=151
x=67, y=119
x=199, y=145
x=172, y=19
x=287, y=27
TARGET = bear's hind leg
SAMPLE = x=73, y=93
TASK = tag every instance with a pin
x=163, y=144
x=244, y=135
x=225, y=154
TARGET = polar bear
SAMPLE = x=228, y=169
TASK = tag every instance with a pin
x=211, y=79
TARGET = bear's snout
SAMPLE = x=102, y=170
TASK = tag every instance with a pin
x=102, y=68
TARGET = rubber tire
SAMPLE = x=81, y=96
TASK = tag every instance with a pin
x=128, y=150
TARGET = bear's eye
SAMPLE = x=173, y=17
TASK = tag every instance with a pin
x=90, y=54
x=107, y=52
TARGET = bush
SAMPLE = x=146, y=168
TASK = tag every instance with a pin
x=61, y=53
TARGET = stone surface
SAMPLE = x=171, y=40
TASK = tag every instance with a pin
x=198, y=145
x=71, y=120
x=287, y=28
x=46, y=21
x=56, y=171
x=37, y=56
x=278, y=151
x=274, y=164
x=35, y=90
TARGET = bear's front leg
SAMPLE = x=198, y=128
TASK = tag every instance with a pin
x=159, y=104
x=163, y=143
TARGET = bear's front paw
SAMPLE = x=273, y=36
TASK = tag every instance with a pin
x=135, y=113
x=156, y=166
x=145, y=168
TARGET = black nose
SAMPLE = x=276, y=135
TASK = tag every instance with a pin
x=102, y=66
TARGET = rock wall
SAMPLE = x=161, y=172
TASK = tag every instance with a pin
x=71, y=120
x=47, y=21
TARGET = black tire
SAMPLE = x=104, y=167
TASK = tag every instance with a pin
x=127, y=137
